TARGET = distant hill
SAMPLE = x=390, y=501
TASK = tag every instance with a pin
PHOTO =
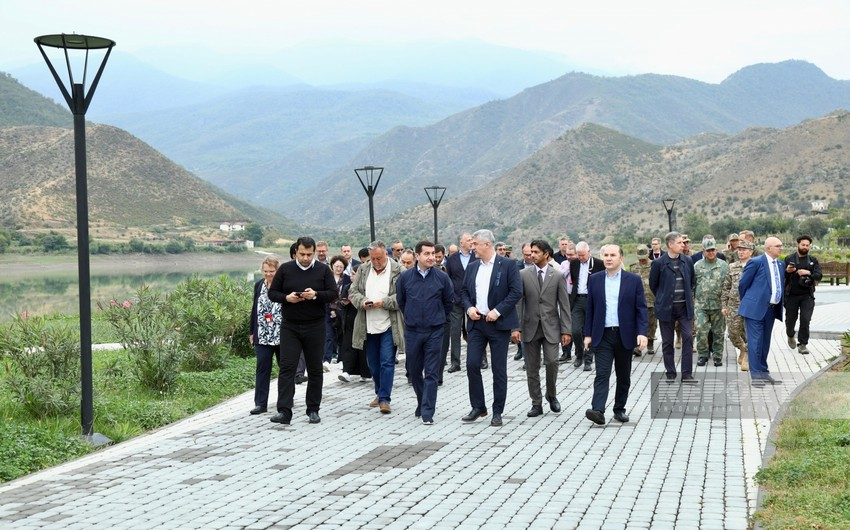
x=471, y=148
x=596, y=182
x=263, y=143
x=130, y=184
x=21, y=106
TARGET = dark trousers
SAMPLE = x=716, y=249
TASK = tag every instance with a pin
x=804, y=304
x=611, y=351
x=425, y=365
x=444, y=346
x=264, y=354
x=353, y=360
x=758, y=344
x=480, y=335
x=456, y=320
x=296, y=337
x=578, y=313
x=330, y=340
x=686, y=327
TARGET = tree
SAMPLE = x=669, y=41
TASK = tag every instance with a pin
x=253, y=232
x=54, y=242
x=813, y=226
x=696, y=225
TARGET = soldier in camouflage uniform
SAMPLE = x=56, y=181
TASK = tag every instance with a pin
x=708, y=313
x=642, y=268
x=732, y=248
x=731, y=300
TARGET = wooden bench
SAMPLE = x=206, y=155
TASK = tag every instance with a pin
x=835, y=271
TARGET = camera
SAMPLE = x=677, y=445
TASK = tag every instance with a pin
x=806, y=281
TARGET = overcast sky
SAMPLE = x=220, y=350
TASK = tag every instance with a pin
x=701, y=40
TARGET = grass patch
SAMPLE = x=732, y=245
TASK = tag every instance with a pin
x=808, y=479
x=123, y=409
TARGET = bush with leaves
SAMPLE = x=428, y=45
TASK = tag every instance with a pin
x=42, y=366
x=212, y=316
x=146, y=330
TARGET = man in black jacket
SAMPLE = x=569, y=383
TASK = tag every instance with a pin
x=580, y=268
x=802, y=273
x=304, y=287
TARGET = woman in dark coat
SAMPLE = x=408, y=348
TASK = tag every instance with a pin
x=266, y=317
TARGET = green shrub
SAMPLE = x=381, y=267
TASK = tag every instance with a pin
x=146, y=330
x=212, y=316
x=43, y=374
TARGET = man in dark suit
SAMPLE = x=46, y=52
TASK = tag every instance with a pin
x=545, y=322
x=491, y=290
x=672, y=281
x=614, y=330
x=580, y=268
x=456, y=265
x=761, y=291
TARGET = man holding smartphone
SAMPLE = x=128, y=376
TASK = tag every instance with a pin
x=304, y=287
x=802, y=273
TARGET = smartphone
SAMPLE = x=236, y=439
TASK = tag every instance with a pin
x=299, y=293
x=370, y=303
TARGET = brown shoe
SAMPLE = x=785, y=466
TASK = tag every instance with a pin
x=385, y=407
x=374, y=402
x=745, y=361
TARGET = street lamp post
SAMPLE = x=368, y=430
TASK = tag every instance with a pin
x=78, y=101
x=668, y=206
x=435, y=196
x=369, y=181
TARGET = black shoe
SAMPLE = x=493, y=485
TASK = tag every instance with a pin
x=577, y=362
x=554, y=404
x=621, y=417
x=689, y=378
x=496, y=420
x=314, y=417
x=474, y=414
x=702, y=362
x=300, y=379
x=518, y=355
x=523, y=366
x=484, y=364
x=588, y=366
x=454, y=368
x=772, y=381
x=564, y=359
x=418, y=412
x=636, y=352
x=258, y=410
x=536, y=410
x=440, y=382
x=282, y=417
x=718, y=362
x=670, y=377
x=595, y=416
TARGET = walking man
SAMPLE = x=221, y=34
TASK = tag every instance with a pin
x=580, y=268
x=545, y=323
x=303, y=287
x=802, y=273
x=616, y=324
x=456, y=265
x=709, y=273
x=378, y=325
x=761, y=289
x=420, y=290
x=731, y=301
x=671, y=280
x=642, y=268
x=491, y=290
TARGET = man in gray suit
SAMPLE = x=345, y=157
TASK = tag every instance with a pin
x=545, y=323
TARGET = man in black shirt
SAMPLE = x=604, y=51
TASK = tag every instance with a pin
x=304, y=287
x=802, y=272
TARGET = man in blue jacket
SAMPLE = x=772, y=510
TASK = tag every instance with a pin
x=491, y=290
x=761, y=288
x=617, y=322
x=420, y=290
x=672, y=280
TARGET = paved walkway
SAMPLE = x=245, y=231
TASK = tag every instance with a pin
x=360, y=469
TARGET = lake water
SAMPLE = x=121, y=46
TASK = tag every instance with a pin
x=57, y=291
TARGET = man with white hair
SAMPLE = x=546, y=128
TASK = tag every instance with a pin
x=580, y=268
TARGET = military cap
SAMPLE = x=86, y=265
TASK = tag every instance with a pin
x=642, y=251
x=709, y=244
x=734, y=237
x=685, y=238
x=746, y=244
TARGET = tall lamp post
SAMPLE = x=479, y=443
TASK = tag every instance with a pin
x=668, y=205
x=78, y=101
x=435, y=196
x=369, y=181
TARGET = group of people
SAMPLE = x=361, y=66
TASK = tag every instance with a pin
x=426, y=300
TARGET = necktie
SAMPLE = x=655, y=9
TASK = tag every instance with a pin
x=777, y=281
x=540, y=276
